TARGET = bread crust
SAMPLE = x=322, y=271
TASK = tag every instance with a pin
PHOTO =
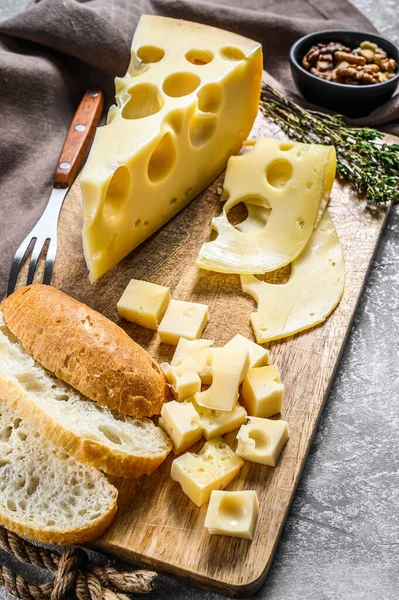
x=86, y=350
x=111, y=461
x=64, y=538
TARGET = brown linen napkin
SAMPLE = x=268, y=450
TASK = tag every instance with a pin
x=54, y=50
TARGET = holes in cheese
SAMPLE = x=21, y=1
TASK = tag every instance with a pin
x=256, y=218
x=275, y=179
x=232, y=513
x=145, y=100
x=202, y=129
x=199, y=57
x=262, y=440
x=162, y=159
x=189, y=94
x=210, y=98
x=312, y=292
x=150, y=54
x=117, y=192
x=181, y=84
x=279, y=172
x=232, y=53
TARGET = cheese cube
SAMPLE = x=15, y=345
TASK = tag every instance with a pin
x=196, y=350
x=183, y=319
x=144, y=303
x=211, y=469
x=228, y=367
x=183, y=379
x=232, y=513
x=258, y=356
x=181, y=422
x=217, y=422
x=262, y=391
x=262, y=440
x=186, y=103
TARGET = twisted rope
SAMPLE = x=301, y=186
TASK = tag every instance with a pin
x=74, y=575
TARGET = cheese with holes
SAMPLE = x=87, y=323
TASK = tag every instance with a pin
x=193, y=350
x=289, y=182
x=314, y=289
x=181, y=422
x=232, y=513
x=216, y=422
x=258, y=356
x=262, y=440
x=211, y=469
x=229, y=366
x=144, y=303
x=183, y=319
x=187, y=102
x=262, y=391
x=183, y=379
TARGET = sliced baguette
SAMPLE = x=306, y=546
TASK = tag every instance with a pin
x=86, y=350
x=46, y=495
x=117, y=444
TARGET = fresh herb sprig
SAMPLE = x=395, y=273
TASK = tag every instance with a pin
x=371, y=165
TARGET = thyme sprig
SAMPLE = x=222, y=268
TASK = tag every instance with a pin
x=371, y=165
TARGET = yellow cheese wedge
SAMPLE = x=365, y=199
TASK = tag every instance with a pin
x=290, y=183
x=186, y=103
x=314, y=289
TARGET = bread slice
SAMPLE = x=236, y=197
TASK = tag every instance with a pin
x=117, y=444
x=45, y=495
x=85, y=349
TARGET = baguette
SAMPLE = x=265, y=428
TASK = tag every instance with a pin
x=86, y=350
x=44, y=494
x=117, y=444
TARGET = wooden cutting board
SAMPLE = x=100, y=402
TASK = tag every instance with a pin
x=156, y=523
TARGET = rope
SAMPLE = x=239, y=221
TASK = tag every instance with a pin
x=74, y=575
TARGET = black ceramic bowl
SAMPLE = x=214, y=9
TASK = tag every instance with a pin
x=350, y=100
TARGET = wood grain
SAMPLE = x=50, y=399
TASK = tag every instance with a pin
x=156, y=523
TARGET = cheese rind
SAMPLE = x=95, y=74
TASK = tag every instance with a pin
x=290, y=181
x=258, y=356
x=232, y=513
x=175, y=107
x=216, y=422
x=144, y=303
x=229, y=366
x=183, y=319
x=262, y=391
x=211, y=469
x=262, y=440
x=181, y=422
x=313, y=290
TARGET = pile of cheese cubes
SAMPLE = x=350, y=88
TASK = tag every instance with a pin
x=207, y=383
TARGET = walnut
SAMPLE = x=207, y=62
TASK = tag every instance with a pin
x=364, y=65
x=350, y=58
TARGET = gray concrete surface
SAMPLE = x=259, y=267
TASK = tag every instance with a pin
x=341, y=540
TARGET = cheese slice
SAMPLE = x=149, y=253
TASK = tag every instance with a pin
x=211, y=469
x=313, y=290
x=290, y=182
x=229, y=366
x=186, y=103
x=258, y=356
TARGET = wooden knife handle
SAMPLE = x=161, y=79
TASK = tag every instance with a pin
x=79, y=136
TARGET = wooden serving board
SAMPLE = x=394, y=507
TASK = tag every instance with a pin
x=156, y=523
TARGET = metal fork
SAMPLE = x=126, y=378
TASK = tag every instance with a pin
x=79, y=136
